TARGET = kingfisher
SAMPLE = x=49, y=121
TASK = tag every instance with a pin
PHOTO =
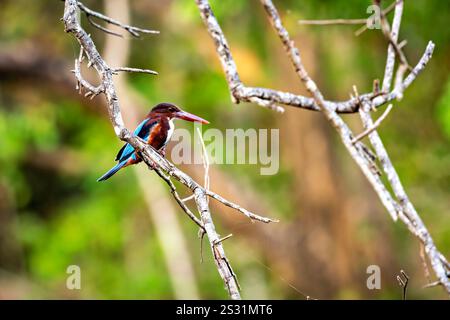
x=156, y=129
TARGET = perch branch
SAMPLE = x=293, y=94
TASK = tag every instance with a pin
x=238, y=208
x=205, y=160
x=135, y=70
x=149, y=155
x=329, y=22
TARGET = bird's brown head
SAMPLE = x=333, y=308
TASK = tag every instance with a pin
x=171, y=111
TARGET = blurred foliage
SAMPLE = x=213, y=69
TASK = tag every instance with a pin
x=63, y=217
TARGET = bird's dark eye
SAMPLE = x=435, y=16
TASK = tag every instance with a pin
x=164, y=108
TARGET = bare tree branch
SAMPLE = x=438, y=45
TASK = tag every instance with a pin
x=269, y=98
x=385, y=12
x=400, y=207
x=162, y=211
x=205, y=160
x=149, y=155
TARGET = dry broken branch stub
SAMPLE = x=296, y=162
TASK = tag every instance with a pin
x=150, y=156
x=407, y=213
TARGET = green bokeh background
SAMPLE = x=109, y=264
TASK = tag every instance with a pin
x=57, y=219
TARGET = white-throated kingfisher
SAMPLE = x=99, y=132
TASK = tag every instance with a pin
x=156, y=129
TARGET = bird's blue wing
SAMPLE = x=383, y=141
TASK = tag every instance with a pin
x=142, y=131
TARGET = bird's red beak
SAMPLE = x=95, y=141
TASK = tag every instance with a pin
x=189, y=117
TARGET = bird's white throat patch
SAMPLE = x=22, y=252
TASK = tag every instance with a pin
x=170, y=132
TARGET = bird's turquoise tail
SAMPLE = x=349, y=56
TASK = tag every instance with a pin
x=112, y=171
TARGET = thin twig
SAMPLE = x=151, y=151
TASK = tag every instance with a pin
x=245, y=212
x=328, y=22
x=432, y=284
x=374, y=126
x=106, y=30
x=386, y=12
x=188, y=198
x=134, y=31
x=225, y=238
x=136, y=70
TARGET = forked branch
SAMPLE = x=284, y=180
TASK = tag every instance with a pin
x=396, y=202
